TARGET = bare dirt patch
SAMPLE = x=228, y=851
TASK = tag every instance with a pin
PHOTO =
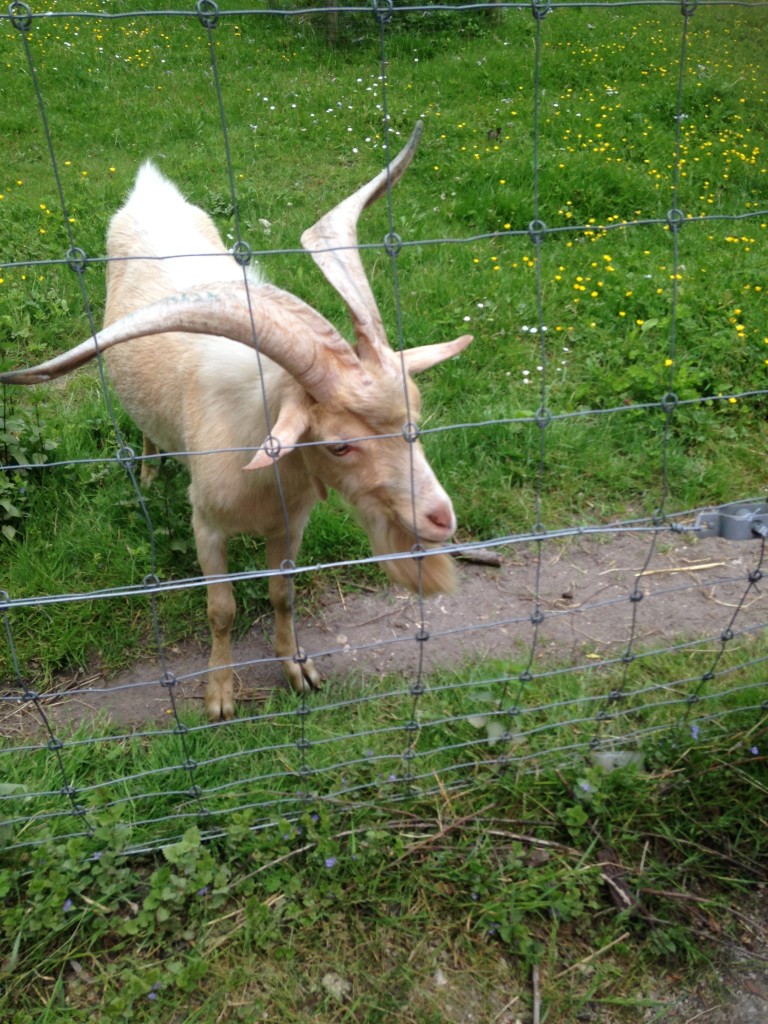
x=582, y=588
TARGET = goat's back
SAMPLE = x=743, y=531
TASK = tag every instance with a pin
x=159, y=224
x=158, y=244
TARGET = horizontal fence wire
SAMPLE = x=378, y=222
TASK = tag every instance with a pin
x=395, y=737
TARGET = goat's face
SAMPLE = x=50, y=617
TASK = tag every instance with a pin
x=365, y=448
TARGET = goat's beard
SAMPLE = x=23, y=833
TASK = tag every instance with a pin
x=425, y=574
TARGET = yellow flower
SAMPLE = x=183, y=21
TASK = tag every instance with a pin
x=668, y=362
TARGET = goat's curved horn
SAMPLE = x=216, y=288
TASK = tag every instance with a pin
x=332, y=241
x=286, y=330
x=426, y=356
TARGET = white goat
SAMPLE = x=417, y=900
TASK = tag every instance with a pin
x=336, y=416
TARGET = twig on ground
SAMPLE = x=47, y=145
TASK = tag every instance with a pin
x=536, y=994
x=508, y=1006
x=705, y=1013
x=442, y=831
x=587, y=959
x=478, y=556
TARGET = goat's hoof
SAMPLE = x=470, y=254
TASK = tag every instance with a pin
x=219, y=714
x=303, y=676
x=219, y=707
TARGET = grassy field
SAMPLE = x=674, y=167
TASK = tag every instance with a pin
x=406, y=901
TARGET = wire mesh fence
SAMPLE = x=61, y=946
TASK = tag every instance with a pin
x=437, y=692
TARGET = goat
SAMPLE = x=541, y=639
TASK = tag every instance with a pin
x=221, y=363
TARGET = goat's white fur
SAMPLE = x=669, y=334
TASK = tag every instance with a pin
x=199, y=392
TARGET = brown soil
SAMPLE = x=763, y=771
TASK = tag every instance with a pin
x=690, y=589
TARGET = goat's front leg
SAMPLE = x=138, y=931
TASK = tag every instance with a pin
x=212, y=555
x=299, y=670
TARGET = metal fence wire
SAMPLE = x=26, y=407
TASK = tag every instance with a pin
x=529, y=695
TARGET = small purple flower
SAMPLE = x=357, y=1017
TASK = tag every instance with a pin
x=203, y=891
x=330, y=862
x=695, y=730
x=754, y=750
x=68, y=905
x=392, y=777
x=585, y=786
x=152, y=994
x=315, y=816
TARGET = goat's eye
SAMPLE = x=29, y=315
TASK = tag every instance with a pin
x=340, y=448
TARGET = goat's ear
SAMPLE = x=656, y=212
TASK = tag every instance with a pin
x=290, y=427
x=418, y=359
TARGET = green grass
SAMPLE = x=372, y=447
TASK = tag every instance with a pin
x=341, y=842
x=483, y=882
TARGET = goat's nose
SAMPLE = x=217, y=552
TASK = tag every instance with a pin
x=442, y=518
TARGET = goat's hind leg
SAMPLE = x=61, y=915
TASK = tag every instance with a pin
x=149, y=466
x=212, y=555
x=299, y=670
